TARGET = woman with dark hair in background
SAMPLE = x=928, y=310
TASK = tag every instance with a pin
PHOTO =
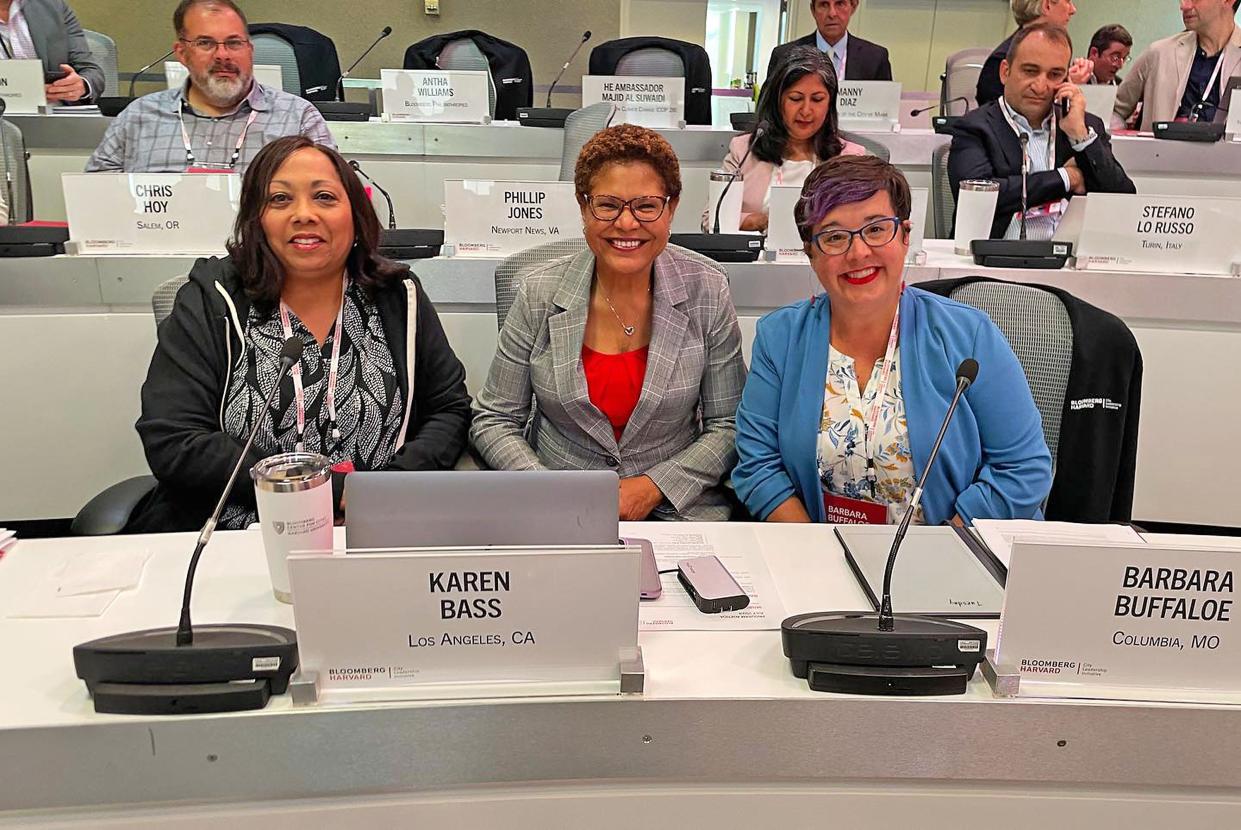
x=378, y=386
x=798, y=103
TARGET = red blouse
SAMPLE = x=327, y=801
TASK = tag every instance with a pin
x=614, y=382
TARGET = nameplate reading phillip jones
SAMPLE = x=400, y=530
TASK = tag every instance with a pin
x=470, y=595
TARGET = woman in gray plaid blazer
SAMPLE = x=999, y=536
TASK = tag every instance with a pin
x=629, y=354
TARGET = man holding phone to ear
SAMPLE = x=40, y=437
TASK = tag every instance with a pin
x=48, y=30
x=1069, y=150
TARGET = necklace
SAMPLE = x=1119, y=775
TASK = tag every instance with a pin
x=628, y=329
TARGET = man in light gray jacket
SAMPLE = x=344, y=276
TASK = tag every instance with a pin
x=49, y=31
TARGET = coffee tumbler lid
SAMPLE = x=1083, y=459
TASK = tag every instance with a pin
x=980, y=184
x=290, y=472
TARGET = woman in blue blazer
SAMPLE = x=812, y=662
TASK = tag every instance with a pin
x=847, y=390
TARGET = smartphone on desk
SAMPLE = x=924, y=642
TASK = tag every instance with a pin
x=649, y=585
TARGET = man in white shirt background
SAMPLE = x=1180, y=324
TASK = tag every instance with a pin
x=855, y=59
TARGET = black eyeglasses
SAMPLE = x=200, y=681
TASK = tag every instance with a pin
x=208, y=45
x=643, y=208
x=876, y=234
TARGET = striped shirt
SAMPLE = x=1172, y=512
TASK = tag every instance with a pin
x=17, y=42
x=147, y=137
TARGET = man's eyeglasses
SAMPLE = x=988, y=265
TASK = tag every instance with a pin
x=836, y=241
x=207, y=45
x=643, y=208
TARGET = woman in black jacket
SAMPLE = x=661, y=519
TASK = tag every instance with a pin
x=378, y=386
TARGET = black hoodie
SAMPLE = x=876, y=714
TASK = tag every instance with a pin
x=201, y=343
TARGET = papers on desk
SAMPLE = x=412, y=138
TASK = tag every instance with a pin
x=738, y=549
x=999, y=535
x=84, y=585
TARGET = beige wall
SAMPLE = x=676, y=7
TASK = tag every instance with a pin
x=546, y=29
x=679, y=19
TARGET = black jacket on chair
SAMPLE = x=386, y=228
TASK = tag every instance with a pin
x=864, y=61
x=605, y=57
x=317, y=61
x=1097, y=456
x=510, y=67
x=990, y=87
x=984, y=146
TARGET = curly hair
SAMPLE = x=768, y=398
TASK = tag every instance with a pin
x=846, y=180
x=627, y=143
x=262, y=273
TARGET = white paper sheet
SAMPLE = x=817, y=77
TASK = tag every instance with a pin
x=94, y=573
x=739, y=552
x=999, y=534
x=45, y=603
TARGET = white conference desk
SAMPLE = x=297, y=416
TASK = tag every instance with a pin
x=412, y=160
x=723, y=733
x=78, y=334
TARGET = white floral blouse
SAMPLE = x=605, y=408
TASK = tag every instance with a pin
x=842, y=447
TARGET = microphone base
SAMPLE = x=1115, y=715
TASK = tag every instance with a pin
x=342, y=111
x=721, y=247
x=943, y=124
x=845, y=652
x=228, y=668
x=542, y=116
x=410, y=243
x=112, y=105
x=1204, y=131
x=1021, y=253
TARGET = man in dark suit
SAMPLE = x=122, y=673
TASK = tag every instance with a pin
x=1070, y=154
x=855, y=59
x=1027, y=13
x=49, y=31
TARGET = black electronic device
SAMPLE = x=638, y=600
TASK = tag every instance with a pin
x=882, y=653
x=743, y=121
x=343, y=111
x=181, y=670
x=1204, y=131
x=759, y=129
x=547, y=115
x=32, y=240
x=113, y=105
x=1021, y=253
x=340, y=83
x=411, y=243
x=721, y=247
x=51, y=76
x=942, y=123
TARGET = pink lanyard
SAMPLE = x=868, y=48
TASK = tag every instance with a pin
x=189, y=152
x=298, y=392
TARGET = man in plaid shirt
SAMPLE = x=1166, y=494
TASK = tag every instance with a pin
x=220, y=118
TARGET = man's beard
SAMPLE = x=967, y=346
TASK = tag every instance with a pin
x=222, y=92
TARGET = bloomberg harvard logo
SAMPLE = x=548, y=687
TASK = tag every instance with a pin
x=1048, y=666
x=359, y=674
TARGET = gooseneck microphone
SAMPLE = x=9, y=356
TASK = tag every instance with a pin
x=881, y=653
x=218, y=668
x=585, y=37
x=133, y=80
x=941, y=106
x=8, y=168
x=340, y=83
x=966, y=373
x=290, y=354
x=1025, y=181
x=760, y=129
x=391, y=211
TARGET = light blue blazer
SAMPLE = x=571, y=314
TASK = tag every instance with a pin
x=994, y=461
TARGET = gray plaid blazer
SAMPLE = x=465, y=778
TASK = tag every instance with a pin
x=682, y=432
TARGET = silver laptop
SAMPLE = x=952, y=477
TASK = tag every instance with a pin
x=454, y=508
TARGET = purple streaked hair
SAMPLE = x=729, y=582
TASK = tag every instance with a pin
x=846, y=180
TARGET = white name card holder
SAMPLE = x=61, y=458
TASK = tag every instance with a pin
x=1232, y=127
x=436, y=96
x=1134, y=622
x=22, y=86
x=150, y=213
x=648, y=101
x=489, y=219
x=784, y=245
x=442, y=623
x=1100, y=100
x=873, y=106
x=1160, y=234
x=267, y=74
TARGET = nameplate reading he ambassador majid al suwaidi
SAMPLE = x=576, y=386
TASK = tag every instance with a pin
x=1081, y=617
